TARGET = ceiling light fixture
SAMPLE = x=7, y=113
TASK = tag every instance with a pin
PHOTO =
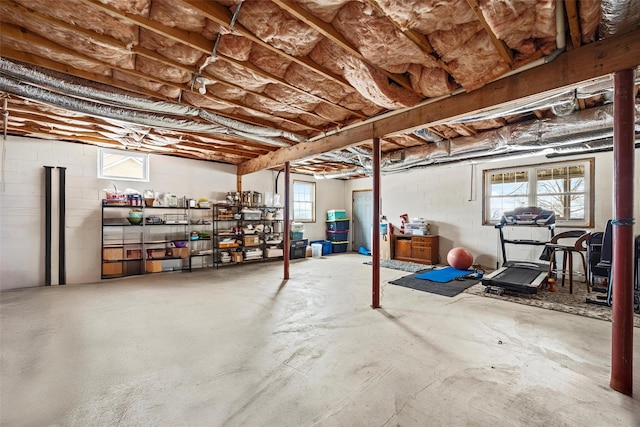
x=202, y=83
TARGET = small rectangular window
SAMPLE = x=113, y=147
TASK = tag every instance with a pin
x=304, y=201
x=123, y=165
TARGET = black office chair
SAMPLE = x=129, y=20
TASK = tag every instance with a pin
x=602, y=268
x=594, y=252
x=636, y=294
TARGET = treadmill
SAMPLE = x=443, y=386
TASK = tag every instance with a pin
x=523, y=277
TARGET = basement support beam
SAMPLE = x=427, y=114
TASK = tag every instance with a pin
x=622, y=269
x=375, y=235
x=287, y=226
x=568, y=69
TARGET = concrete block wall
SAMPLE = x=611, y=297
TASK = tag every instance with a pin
x=22, y=203
x=450, y=198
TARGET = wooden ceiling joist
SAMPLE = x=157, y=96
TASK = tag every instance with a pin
x=40, y=118
x=417, y=38
x=137, y=50
x=332, y=34
x=14, y=33
x=222, y=16
x=571, y=8
x=501, y=47
x=204, y=45
x=569, y=68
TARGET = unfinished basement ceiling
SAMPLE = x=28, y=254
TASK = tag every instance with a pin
x=237, y=81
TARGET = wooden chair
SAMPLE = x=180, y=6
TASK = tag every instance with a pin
x=578, y=246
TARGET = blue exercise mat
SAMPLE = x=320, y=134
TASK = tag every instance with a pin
x=443, y=275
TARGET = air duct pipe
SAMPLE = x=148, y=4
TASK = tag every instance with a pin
x=76, y=88
x=618, y=17
x=121, y=114
x=582, y=131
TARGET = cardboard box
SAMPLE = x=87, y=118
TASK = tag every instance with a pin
x=251, y=240
x=237, y=257
x=111, y=268
x=178, y=252
x=133, y=253
x=156, y=253
x=274, y=252
x=154, y=266
x=112, y=254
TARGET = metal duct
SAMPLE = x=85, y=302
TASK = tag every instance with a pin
x=341, y=174
x=582, y=131
x=246, y=128
x=619, y=17
x=361, y=151
x=126, y=116
x=78, y=88
x=427, y=135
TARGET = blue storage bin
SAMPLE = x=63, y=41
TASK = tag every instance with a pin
x=334, y=214
x=338, y=247
x=338, y=225
x=337, y=236
x=326, y=246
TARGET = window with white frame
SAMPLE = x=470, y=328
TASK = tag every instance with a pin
x=565, y=188
x=123, y=165
x=304, y=201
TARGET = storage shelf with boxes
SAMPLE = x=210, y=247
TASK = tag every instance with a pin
x=247, y=233
x=150, y=239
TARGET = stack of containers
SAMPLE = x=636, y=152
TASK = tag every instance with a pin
x=338, y=230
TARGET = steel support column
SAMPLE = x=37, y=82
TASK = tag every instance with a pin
x=287, y=226
x=47, y=225
x=376, y=225
x=622, y=269
x=62, y=269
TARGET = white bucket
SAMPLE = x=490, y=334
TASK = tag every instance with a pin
x=316, y=250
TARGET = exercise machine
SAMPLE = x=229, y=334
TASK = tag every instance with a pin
x=522, y=276
x=603, y=264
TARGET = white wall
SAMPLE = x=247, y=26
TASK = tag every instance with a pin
x=450, y=198
x=22, y=203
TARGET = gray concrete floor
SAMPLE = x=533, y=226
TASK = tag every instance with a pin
x=239, y=347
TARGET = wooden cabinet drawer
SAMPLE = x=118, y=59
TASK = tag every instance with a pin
x=421, y=252
x=421, y=241
x=403, y=248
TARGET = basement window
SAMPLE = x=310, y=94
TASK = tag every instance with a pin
x=565, y=188
x=123, y=165
x=304, y=201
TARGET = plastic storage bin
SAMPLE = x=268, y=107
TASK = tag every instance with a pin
x=339, y=247
x=338, y=225
x=316, y=250
x=334, y=214
x=295, y=235
x=326, y=246
x=337, y=236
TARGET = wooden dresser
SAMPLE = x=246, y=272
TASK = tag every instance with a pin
x=422, y=249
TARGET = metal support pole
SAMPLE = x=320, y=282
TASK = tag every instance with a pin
x=62, y=272
x=375, y=264
x=622, y=268
x=287, y=205
x=47, y=225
